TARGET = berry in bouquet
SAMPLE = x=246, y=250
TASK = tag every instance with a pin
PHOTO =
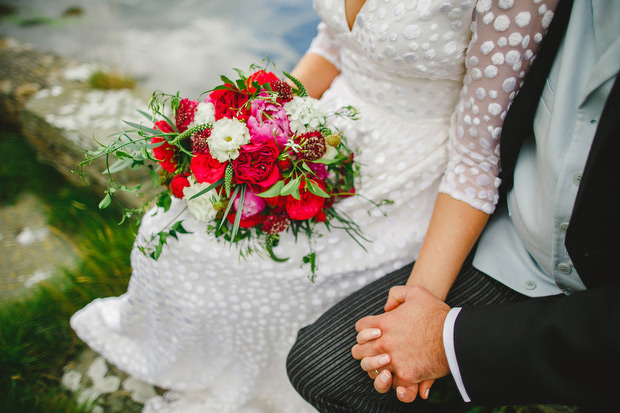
x=253, y=159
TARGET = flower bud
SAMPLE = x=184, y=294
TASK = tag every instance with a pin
x=333, y=140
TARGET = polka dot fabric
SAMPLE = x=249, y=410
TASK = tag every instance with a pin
x=505, y=38
x=394, y=44
x=432, y=81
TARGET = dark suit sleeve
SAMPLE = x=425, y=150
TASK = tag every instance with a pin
x=552, y=350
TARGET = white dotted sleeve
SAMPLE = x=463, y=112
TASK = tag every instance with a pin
x=326, y=45
x=506, y=35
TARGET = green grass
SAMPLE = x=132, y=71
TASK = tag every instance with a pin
x=36, y=340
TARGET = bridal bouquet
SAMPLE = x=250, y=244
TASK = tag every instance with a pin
x=253, y=159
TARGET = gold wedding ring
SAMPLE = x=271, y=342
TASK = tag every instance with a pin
x=376, y=371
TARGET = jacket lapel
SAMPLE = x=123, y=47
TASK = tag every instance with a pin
x=593, y=236
x=605, y=68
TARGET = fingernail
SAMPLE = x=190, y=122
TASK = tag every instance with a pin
x=384, y=376
x=375, y=332
x=400, y=392
x=385, y=359
x=426, y=393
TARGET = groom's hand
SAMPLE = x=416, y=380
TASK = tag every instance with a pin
x=407, y=340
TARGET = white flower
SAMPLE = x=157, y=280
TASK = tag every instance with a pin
x=227, y=136
x=305, y=114
x=330, y=153
x=205, y=114
x=201, y=207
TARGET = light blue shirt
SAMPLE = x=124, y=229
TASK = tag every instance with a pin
x=529, y=235
x=523, y=244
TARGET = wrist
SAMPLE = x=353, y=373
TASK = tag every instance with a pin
x=434, y=284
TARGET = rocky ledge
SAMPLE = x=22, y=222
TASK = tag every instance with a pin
x=48, y=98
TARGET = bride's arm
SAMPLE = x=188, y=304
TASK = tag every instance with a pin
x=453, y=230
x=320, y=65
x=316, y=73
x=506, y=37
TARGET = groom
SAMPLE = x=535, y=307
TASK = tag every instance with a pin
x=550, y=265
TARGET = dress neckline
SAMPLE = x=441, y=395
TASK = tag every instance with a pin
x=346, y=21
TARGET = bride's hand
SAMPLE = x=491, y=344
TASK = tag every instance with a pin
x=405, y=344
x=383, y=380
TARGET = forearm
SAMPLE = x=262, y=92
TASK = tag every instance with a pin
x=454, y=228
x=316, y=73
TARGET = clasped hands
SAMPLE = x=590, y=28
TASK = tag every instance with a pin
x=405, y=344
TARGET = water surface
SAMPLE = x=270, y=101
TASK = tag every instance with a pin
x=170, y=45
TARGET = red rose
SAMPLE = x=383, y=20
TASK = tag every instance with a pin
x=306, y=207
x=261, y=77
x=177, y=184
x=256, y=164
x=206, y=168
x=164, y=153
x=320, y=216
x=276, y=202
x=248, y=222
x=229, y=104
x=184, y=115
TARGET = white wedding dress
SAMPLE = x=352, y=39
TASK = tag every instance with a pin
x=215, y=329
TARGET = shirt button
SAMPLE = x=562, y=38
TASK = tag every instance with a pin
x=577, y=178
x=529, y=284
x=564, y=268
x=592, y=121
x=564, y=226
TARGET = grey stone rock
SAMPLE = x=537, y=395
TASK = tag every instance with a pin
x=30, y=251
x=103, y=386
x=48, y=98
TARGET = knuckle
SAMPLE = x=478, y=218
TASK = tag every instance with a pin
x=408, y=376
x=417, y=289
x=385, y=346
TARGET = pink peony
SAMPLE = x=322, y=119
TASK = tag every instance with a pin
x=268, y=121
x=252, y=204
x=319, y=169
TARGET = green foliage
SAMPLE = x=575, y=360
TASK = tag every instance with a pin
x=36, y=340
x=111, y=80
x=301, y=89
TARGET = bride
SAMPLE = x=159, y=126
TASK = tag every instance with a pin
x=432, y=81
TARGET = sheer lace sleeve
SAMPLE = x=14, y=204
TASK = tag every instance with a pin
x=326, y=45
x=506, y=35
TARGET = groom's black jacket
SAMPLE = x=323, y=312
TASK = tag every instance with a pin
x=556, y=350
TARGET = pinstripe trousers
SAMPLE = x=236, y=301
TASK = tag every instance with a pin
x=321, y=367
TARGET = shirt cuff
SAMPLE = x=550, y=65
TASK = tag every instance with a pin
x=448, y=345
